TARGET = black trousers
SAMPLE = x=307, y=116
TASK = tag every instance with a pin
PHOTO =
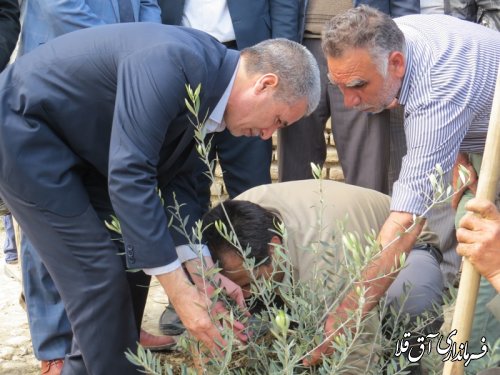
x=245, y=163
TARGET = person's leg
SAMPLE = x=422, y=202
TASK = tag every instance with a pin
x=397, y=146
x=417, y=295
x=441, y=220
x=303, y=143
x=45, y=193
x=137, y=280
x=49, y=326
x=245, y=161
x=410, y=292
x=9, y=247
x=82, y=260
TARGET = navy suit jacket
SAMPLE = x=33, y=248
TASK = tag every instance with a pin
x=9, y=29
x=253, y=20
x=44, y=20
x=111, y=99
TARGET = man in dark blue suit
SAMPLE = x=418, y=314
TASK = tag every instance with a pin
x=9, y=31
x=94, y=122
x=245, y=162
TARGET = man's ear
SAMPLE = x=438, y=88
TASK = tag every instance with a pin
x=397, y=63
x=265, y=82
x=274, y=240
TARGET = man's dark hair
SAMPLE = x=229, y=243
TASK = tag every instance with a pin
x=253, y=226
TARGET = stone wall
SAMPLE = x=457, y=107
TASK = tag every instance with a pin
x=331, y=170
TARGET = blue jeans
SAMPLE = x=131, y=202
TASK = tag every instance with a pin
x=9, y=247
x=49, y=326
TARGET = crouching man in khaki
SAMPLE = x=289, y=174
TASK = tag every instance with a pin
x=309, y=225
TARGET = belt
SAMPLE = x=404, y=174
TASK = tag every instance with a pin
x=231, y=44
x=431, y=249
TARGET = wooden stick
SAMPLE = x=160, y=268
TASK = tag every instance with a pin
x=469, y=281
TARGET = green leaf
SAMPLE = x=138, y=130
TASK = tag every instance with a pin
x=190, y=107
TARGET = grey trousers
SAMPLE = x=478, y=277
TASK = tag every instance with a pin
x=422, y=280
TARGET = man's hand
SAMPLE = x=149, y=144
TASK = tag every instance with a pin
x=331, y=329
x=192, y=308
x=462, y=159
x=479, y=239
x=230, y=288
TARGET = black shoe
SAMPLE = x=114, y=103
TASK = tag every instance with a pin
x=257, y=327
x=3, y=208
x=170, y=324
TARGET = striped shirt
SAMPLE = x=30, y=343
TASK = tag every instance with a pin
x=447, y=90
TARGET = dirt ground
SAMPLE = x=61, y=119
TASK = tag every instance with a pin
x=16, y=354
